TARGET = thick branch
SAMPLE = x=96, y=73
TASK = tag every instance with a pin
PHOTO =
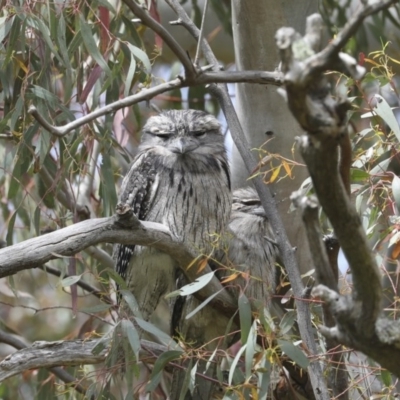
x=69, y=241
x=157, y=28
x=57, y=371
x=49, y=355
x=311, y=103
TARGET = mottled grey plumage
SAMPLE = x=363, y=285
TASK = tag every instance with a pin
x=179, y=178
x=249, y=247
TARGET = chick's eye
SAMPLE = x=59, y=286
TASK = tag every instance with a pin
x=198, y=133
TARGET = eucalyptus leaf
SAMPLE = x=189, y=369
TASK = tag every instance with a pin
x=193, y=287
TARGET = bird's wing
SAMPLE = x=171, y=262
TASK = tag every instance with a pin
x=137, y=191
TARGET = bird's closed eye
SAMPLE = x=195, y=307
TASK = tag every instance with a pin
x=161, y=134
x=198, y=133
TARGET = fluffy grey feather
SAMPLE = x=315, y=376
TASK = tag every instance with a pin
x=249, y=247
x=179, y=178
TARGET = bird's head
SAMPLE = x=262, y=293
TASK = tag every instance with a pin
x=183, y=132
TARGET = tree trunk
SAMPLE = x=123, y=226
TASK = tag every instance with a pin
x=260, y=108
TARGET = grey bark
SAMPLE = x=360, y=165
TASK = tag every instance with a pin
x=261, y=109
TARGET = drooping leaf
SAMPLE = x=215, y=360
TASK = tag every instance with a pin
x=130, y=299
x=250, y=349
x=70, y=280
x=294, y=353
x=159, y=366
x=91, y=45
x=130, y=332
x=141, y=56
x=233, y=367
x=129, y=76
x=108, y=191
x=158, y=333
x=203, y=304
x=193, y=287
x=383, y=109
x=10, y=229
x=287, y=322
x=245, y=317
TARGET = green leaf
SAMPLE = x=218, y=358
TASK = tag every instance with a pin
x=114, y=275
x=132, y=302
x=38, y=24
x=109, y=193
x=159, y=366
x=70, y=280
x=129, y=76
x=102, y=343
x=287, y=322
x=17, y=113
x=13, y=40
x=10, y=230
x=192, y=380
x=233, y=368
x=130, y=332
x=358, y=175
x=193, y=287
x=141, y=56
x=36, y=220
x=383, y=109
x=91, y=45
x=203, y=304
x=5, y=26
x=386, y=377
x=245, y=317
x=158, y=334
x=250, y=349
x=381, y=167
x=263, y=374
x=294, y=353
x=96, y=309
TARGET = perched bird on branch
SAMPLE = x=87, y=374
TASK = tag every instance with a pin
x=246, y=259
x=250, y=248
x=179, y=178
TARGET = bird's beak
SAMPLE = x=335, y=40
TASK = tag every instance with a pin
x=182, y=146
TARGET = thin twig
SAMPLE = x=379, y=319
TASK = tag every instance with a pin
x=352, y=26
x=256, y=77
x=201, y=35
x=82, y=284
